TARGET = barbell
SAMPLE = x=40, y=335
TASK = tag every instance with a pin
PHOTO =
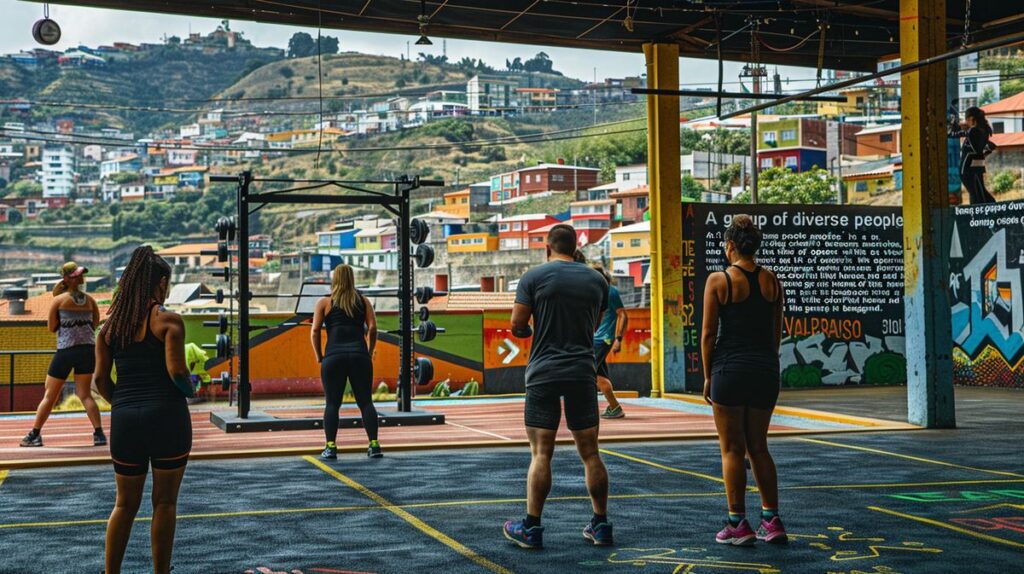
x=426, y=331
x=422, y=295
x=418, y=231
x=225, y=228
x=423, y=256
x=223, y=346
x=225, y=380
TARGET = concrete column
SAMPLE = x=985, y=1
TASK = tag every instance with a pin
x=667, y=352
x=927, y=220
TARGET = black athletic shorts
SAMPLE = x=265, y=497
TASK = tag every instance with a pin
x=158, y=433
x=745, y=387
x=601, y=350
x=81, y=359
x=544, y=405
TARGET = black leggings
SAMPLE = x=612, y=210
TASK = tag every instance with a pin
x=974, y=181
x=357, y=368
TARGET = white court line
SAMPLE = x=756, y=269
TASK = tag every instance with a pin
x=477, y=430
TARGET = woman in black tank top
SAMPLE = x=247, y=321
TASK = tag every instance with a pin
x=740, y=346
x=351, y=337
x=149, y=420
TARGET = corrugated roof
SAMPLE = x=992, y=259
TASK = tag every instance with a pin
x=1008, y=140
x=186, y=249
x=1011, y=104
x=38, y=308
x=473, y=301
x=634, y=228
x=639, y=190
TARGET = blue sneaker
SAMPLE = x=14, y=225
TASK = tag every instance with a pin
x=524, y=537
x=600, y=535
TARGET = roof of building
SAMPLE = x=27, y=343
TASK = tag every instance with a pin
x=882, y=171
x=376, y=231
x=557, y=166
x=38, y=308
x=1008, y=140
x=459, y=192
x=642, y=227
x=473, y=301
x=880, y=129
x=437, y=214
x=592, y=202
x=186, y=249
x=185, y=292
x=633, y=192
x=525, y=217
x=123, y=158
x=1011, y=104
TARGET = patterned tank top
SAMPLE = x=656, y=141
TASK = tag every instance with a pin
x=75, y=328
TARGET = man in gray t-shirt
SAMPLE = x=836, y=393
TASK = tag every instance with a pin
x=565, y=299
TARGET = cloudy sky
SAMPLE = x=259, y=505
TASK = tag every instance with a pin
x=93, y=27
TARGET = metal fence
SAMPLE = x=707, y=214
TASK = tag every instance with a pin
x=12, y=361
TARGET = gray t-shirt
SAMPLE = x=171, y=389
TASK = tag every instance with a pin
x=567, y=300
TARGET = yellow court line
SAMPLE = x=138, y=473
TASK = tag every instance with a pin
x=3, y=476
x=813, y=414
x=949, y=526
x=662, y=466
x=406, y=516
x=904, y=484
x=910, y=457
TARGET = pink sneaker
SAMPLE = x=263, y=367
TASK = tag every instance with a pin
x=739, y=535
x=772, y=532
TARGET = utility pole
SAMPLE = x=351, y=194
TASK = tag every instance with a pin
x=755, y=72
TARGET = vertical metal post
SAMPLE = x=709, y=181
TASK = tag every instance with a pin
x=10, y=387
x=405, y=352
x=754, y=137
x=927, y=224
x=667, y=341
x=244, y=386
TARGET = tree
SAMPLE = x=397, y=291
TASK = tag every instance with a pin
x=779, y=185
x=727, y=175
x=26, y=188
x=988, y=95
x=1003, y=182
x=690, y=187
x=173, y=41
x=286, y=71
x=400, y=83
x=329, y=45
x=431, y=59
x=3, y=183
x=301, y=45
x=539, y=63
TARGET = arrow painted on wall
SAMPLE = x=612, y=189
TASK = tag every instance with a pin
x=509, y=349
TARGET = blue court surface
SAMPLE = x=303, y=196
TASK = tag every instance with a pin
x=879, y=503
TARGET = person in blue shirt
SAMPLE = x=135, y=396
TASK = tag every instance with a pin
x=608, y=338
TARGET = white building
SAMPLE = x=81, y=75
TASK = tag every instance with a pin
x=190, y=131
x=976, y=85
x=58, y=172
x=422, y=112
x=491, y=95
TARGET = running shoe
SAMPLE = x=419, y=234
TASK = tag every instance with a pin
x=739, y=535
x=329, y=453
x=32, y=439
x=99, y=439
x=600, y=535
x=772, y=532
x=522, y=536
x=374, y=451
x=616, y=413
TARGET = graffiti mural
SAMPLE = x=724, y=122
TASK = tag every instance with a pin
x=986, y=256
x=842, y=269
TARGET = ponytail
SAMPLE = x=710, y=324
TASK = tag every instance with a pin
x=60, y=288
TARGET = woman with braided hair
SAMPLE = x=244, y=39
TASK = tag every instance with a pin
x=74, y=317
x=740, y=345
x=149, y=420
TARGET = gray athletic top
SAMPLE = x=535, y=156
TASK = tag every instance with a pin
x=75, y=329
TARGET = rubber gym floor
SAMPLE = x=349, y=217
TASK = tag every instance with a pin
x=867, y=502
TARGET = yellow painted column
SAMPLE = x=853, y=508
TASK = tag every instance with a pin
x=667, y=351
x=927, y=217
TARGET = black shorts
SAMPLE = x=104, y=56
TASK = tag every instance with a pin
x=81, y=359
x=745, y=387
x=160, y=433
x=601, y=350
x=544, y=405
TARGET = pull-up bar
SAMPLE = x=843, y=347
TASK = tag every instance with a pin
x=730, y=95
x=1012, y=39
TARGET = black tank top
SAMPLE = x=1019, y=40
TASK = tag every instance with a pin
x=746, y=329
x=142, y=373
x=346, y=334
